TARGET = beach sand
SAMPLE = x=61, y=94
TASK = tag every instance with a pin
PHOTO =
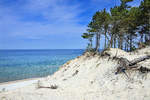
x=6, y=86
x=86, y=78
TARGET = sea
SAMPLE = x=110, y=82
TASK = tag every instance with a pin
x=24, y=64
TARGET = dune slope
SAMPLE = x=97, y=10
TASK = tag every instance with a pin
x=90, y=77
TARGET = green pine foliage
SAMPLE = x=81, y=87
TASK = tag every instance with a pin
x=124, y=27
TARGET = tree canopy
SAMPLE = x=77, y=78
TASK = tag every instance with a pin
x=123, y=27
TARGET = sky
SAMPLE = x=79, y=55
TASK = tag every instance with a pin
x=48, y=24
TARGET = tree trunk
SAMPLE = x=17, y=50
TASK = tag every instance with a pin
x=97, y=42
x=115, y=42
x=90, y=40
x=120, y=42
x=111, y=45
x=130, y=42
x=105, y=39
x=111, y=40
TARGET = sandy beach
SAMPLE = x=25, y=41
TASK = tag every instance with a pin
x=86, y=78
x=75, y=49
x=6, y=86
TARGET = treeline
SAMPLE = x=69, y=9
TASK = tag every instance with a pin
x=124, y=27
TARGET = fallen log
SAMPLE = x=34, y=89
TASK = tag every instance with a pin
x=135, y=61
x=125, y=64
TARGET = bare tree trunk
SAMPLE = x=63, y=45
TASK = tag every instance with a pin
x=111, y=40
x=120, y=42
x=115, y=41
x=128, y=38
x=105, y=39
x=97, y=42
x=111, y=44
x=130, y=42
x=90, y=43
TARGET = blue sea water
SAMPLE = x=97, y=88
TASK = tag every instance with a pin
x=22, y=64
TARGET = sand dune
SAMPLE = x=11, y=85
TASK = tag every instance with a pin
x=89, y=78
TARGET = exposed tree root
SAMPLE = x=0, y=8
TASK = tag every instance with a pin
x=125, y=64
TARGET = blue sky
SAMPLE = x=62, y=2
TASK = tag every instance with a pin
x=47, y=24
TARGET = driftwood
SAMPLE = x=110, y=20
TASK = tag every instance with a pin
x=135, y=61
x=50, y=87
x=125, y=64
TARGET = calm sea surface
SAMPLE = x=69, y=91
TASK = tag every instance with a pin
x=22, y=64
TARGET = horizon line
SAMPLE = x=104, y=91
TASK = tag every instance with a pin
x=43, y=49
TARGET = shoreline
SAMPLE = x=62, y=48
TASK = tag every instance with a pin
x=20, y=80
x=11, y=85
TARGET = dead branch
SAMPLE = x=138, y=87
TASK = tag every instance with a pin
x=125, y=64
x=135, y=61
x=50, y=87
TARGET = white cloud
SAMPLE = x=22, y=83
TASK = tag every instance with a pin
x=61, y=19
x=135, y=3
